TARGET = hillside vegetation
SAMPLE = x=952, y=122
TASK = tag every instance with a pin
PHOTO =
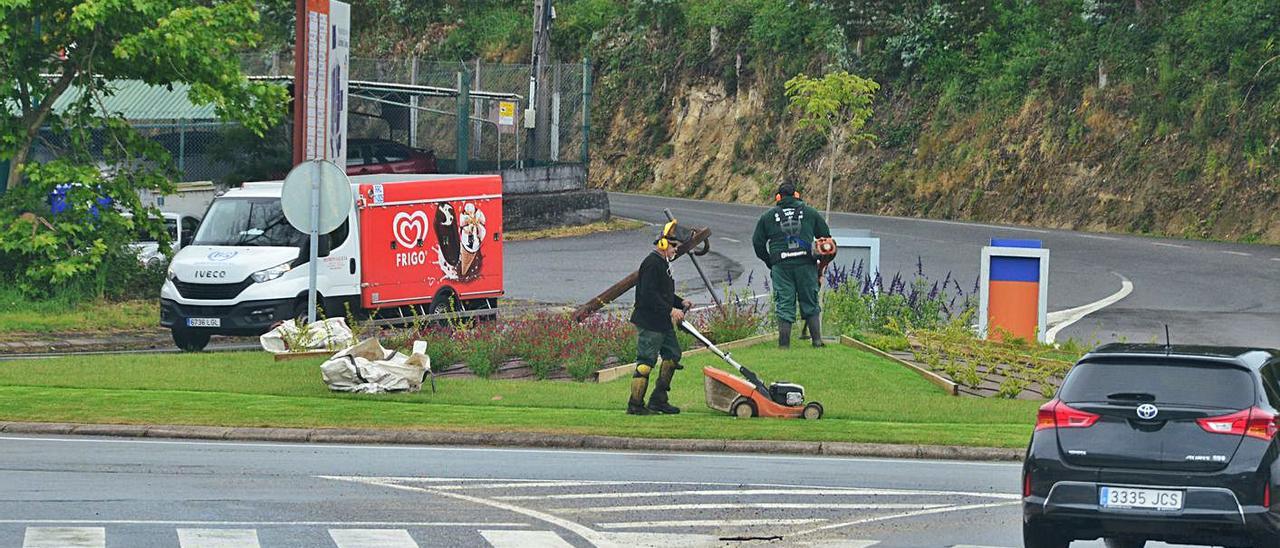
x=1152, y=116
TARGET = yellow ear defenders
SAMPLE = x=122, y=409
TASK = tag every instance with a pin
x=663, y=243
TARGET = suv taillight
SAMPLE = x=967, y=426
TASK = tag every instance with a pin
x=1056, y=414
x=1252, y=422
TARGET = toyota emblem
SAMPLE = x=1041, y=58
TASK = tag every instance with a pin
x=1147, y=411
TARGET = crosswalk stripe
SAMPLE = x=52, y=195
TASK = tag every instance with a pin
x=372, y=538
x=852, y=492
x=705, y=523
x=524, y=539
x=65, y=537
x=750, y=505
x=218, y=538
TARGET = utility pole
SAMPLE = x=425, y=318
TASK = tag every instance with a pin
x=538, y=116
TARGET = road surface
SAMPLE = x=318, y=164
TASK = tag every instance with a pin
x=1207, y=292
x=91, y=492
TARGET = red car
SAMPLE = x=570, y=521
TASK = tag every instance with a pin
x=370, y=156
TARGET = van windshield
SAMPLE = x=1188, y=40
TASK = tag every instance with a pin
x=248, y=222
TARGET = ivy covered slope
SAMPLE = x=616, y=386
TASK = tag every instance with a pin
x=1158, y=116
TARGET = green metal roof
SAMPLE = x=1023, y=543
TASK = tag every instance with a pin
x=137, y=100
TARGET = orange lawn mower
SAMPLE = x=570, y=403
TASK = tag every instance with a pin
x=749, y=397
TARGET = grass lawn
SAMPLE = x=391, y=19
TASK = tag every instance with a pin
x=867, y=399
x=20, y=316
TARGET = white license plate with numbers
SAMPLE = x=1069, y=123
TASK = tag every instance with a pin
x=204, y=322
x=1141, y=499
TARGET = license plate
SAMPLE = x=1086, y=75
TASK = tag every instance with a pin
x=1141, y=499
x=204, y=322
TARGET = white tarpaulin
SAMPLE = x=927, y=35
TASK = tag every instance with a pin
x=330, y=334
x=368, y=368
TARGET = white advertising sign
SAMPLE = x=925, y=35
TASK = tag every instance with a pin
x=328, y=44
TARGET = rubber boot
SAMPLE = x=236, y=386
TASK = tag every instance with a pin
x=658, y=401
x=784, y=334
x=639, y=385
x=815, y=330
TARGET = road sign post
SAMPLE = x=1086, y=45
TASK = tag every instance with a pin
x=316, y=197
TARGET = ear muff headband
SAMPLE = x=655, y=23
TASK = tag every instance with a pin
x=663, y=243
x=778, y=197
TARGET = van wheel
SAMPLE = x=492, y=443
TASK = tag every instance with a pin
x=1040, y=535
x=190, y=341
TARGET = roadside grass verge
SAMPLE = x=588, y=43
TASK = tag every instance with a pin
x=21, y=316
x=867, y=399
x=614, y=224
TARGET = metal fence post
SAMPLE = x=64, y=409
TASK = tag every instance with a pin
x=586, y=113
x=464, y=123
x=182, y=147
x=413, y=104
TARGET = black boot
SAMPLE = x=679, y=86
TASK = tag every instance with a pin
x=815, y=330
x=784, y=334
x=639, y=385
x=658, y=401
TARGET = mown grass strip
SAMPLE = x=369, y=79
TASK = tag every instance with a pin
x=867, y=399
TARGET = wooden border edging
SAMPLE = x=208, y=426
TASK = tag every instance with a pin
x=617, y=372
x=286, y=356
x=938, y=380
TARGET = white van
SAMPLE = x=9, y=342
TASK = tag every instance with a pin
x=409, y=241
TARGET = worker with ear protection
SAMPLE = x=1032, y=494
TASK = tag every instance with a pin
x=657, y=310
x=784, y=240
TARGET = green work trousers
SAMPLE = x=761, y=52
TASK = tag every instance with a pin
x=794, y=282
x=651, y=344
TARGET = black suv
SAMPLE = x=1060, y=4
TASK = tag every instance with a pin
x=1149, y=442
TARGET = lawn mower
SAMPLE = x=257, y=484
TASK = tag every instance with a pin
x=749, y=396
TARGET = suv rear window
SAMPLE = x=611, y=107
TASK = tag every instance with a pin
x=1182, y=384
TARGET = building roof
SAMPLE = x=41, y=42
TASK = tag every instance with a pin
x=137, y=100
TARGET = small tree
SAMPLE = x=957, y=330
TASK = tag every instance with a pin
x=837, y=107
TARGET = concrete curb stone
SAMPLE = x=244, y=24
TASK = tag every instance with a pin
x=268, y=434
x=114, y=430
x=191, y=432
x=517, y=439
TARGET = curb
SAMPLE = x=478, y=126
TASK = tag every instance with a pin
x=515, y=439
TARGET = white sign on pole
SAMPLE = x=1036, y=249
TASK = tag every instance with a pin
x=316, y=198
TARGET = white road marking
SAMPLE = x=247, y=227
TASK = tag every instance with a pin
x=731, y=240
x=372, y=538
x=1179, y=246
x=218, y=538
x=260, y=523
x=827, y=492
x=903, y=515
x=752, y=505
x=1095, y=237
x=349, y=447
x=1239, y=253
x=662, y=540
x=524, y=539
x=1064, y=318
x=1276, y=259
x=65, y=537
x=529, y=484
x=590, y=535
x=705, y=523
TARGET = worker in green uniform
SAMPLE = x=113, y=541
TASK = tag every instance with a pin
x=657, y=310
x=784, y=239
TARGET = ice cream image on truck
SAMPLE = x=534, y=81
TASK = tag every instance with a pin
x=246, y=268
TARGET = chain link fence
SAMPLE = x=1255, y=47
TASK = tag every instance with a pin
x=224, y=152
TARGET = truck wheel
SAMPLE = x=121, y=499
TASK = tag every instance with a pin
x=190, y=341
x=813, y=411
x=743, y=408
x=1041, y=535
